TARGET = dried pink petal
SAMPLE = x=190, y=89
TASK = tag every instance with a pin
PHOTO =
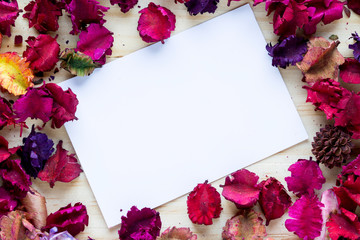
x=9, y=11
x=350, y=71
x=7, y=202
x=345, y=225
x=125, y=5
x=331, y=206
x=177, y=234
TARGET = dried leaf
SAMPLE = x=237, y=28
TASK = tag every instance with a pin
x=321, y=61
x=15, y=74
x=77, y=63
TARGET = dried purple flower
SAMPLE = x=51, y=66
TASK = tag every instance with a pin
x=288, y=51
x=36, y=151
x=201, y=6
x=355, y=46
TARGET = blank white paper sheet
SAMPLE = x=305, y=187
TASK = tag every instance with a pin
x=155, y=123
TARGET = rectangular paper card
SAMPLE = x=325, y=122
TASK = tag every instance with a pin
x=157, y=122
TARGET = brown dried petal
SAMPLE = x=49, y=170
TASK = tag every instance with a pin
x=35, y=205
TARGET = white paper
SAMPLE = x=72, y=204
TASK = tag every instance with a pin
x=157, y=122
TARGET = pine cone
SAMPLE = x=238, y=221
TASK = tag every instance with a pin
x=332, y=146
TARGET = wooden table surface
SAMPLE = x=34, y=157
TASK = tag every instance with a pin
x=126, y=41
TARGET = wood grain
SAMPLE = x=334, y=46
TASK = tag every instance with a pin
x=127, y=40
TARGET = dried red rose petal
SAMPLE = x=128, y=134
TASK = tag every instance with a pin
x=155, y=23
x=204, y=204
x=177, y=234
x=343, y=198
x=345, y=224
x=241, y=188
x=7, y=116
x=352, y=167
x=43, y=15
x=7, y=202
x=4, y=149
x=354, y=5
x=273, y=199
x=140, y=224
x=327, y=95
x=9, y=11
x=84, y=12
x=61, y=167
x=69, y=218
x=96, y=42
x=307, y=218
x=15, y=180
x=195, y=7
x=64, y=105
x=36, y=103
x=321, y=61
x=125, y=5
x=349, y=116
x=350, y=71
x=42, y=52
x=306, y=176
x=245, y=225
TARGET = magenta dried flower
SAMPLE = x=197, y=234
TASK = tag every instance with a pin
x=138, y=224
x=195, y=7
x=35, y=152
x=288, y=51
x=306, y=176
x=9, y=11
x=307, y=219
x=7, y=202
x=69, y=218
x=125, y=5
x=7, y=116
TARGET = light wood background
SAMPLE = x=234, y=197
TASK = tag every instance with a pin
x=126, y=41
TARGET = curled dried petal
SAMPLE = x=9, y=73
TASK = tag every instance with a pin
x=177, y=234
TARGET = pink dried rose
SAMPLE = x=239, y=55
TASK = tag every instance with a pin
x=15, y=179
x=354, y=5
x=9, y=11
x=204, y=204
x=140, y=224
x=345, y=224
x=35, y=104
x=84, y=12
x=96, y=42
x=155, y=23
x=327, y=95
x=177, y=234
x=321, y=61
x=306, y=176
x=241, y=188
x=69, y=218
x=349, y=116
x=61, y=167
x=42, y=52
x=247, y=224
x=43, y=15
x=307, y=219
x=64, y=105
x=326, y=11
x=273, y=199
x=7, y=202
x=350, y=71
x=125, y=5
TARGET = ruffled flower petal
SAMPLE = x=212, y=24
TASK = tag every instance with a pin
x=349, y=116
x=43, y=15
x=155, y=23
x=125, y=5
x=36, y=151
x=321, y=61
x=9, y=11
x=7, y=202
x=15, y=74
x=345, y=224
x=69, y=218
x=4, y=149
x=273, y=200
x=42, y=52
x=77, y=63
x=84, y=12
x=61, y=167
x=331, y=206
x=241, y=188
x=306, y=176
x=352, y=167
x=343, y=198
x=177, y=234
x=7, y=116
x=350, y=71
x=96, y=41
x=288, y=51
x=35, y=104
x=246, y=224
x=327, y=95
x=15, y=179
x=204, y=204
x=140, y=224
x=307, y=219
x=195, y=7
x=64, y=105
